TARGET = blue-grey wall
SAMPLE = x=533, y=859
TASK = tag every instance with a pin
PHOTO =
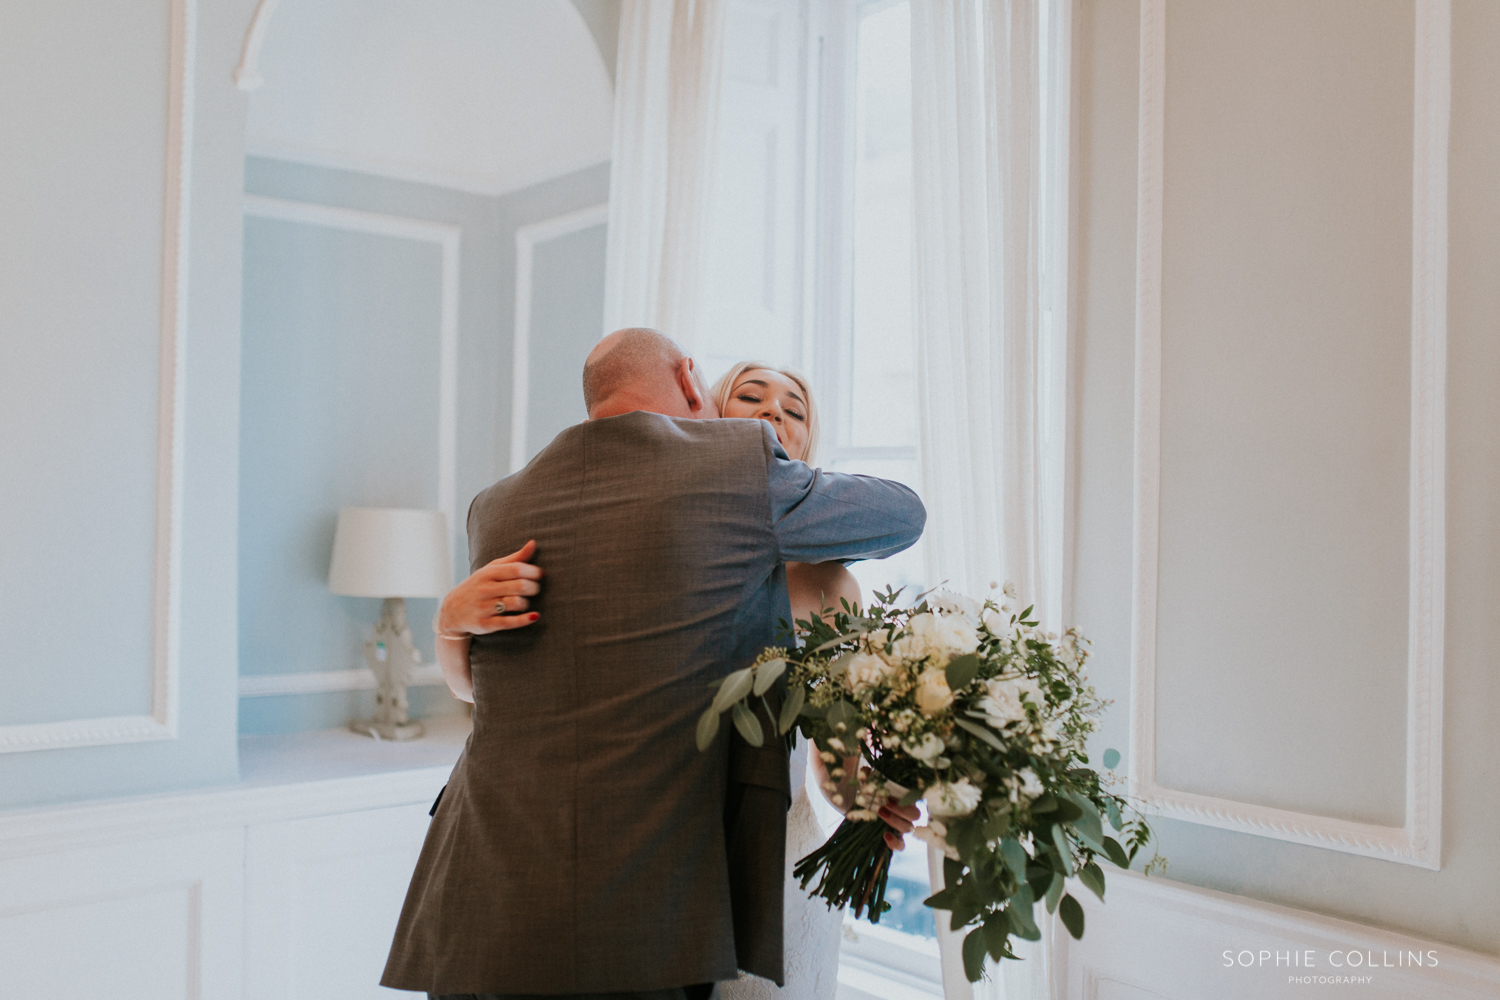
x=340, y=396
x=83, y=93
x=567, y=310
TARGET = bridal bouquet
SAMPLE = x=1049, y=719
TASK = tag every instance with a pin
x=968, y=707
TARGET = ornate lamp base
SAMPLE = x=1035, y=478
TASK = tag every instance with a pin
x=391, y=657
x=387, y=730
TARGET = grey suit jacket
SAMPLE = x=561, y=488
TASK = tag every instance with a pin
x=580, y=846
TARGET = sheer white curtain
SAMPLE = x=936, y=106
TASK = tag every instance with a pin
x=977, y=308
x=667, y=81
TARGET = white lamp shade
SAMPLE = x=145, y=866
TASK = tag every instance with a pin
x=389, y=552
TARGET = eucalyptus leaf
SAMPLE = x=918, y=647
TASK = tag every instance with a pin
x=791, y=709
x=1111, y=758
x=1088, y=825
x=1054, y=893
x=1064, y=852
x=961, y=670
x=1015, y=857
x=840, y=713
x=911, y=797
x=735, y=687
x=749, y=726
x=979, y=731
x=997, y=930
x=1092, y=876
x=1019, y=911
x=1113, y=809
x=1116, y=852
x=1072, y=916
x=974, y=955
x=708, y=728
x=766, y=674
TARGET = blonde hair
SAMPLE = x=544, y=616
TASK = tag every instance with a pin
x=725, y=386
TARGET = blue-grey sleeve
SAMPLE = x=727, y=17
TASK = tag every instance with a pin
x=826, y=516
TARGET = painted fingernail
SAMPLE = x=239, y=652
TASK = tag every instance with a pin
x=533, y=616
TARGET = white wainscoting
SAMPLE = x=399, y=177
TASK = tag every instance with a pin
x=322, y=895
x=288, y=885
x=285, y=885
x=1160, y=940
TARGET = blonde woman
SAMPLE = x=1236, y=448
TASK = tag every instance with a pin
x=781, y=397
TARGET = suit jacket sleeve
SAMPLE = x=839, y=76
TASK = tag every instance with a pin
x=823, y=516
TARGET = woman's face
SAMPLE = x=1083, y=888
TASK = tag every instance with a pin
x=770, y=396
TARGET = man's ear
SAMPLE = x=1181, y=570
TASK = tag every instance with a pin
x=694, y=392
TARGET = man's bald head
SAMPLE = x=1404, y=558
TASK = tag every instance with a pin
x=641, y=369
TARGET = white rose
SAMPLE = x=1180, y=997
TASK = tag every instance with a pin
x=995, y=622
x=864, y=671
x=927, y=749
x=1001, y=704
x=949, y=799
x=916, y=644
x=939, y=634
x=932, y=692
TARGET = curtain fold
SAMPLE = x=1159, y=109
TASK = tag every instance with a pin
x=976, y=307
x=667, y=84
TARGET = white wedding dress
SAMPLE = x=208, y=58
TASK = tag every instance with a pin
x=812, y=930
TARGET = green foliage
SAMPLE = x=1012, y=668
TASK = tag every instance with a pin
x=970, y=706
x=1072, y=916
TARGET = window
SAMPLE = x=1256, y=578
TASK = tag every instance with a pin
x=871, y=348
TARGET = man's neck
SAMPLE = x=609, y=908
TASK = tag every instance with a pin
x=622, y=403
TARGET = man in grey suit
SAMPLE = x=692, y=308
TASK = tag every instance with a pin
x=580, y=846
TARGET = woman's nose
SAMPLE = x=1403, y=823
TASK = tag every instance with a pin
x=772, y=413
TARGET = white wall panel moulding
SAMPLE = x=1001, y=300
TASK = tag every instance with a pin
x=1419, y=840
x=450, y=179
x=161, y=723
x=527, y=238
x=447, y=237
x=323, y=681
x=29, y=832
x=247, y=74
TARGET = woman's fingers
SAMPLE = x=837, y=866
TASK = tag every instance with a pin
x=901, y=819
x=514, y=621
x=513, y=603
x=520, y=557
x=512, y=588
x=894, y=841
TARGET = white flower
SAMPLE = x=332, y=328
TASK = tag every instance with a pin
x=949, y=603
x=1009, y=590
x=1004, y=698
x=946, y=633
x=934, y=833
x=864, y=671
x=995, y=622
x=1030, y=785
x=876, y=642
x=932, y=692
x=950, y=799
x=927, y=749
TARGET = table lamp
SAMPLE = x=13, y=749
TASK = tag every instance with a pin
x=392, y=554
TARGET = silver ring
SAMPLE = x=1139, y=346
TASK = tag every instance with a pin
x=500, y=607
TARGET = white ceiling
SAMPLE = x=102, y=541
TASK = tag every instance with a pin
x=480, y=95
